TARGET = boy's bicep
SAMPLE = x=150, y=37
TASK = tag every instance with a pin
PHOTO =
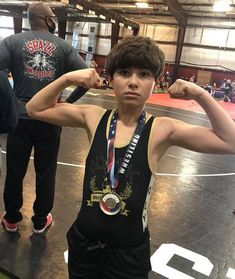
x=196, y=138
x=63, y=114
x=70, y=115
x=183, y=134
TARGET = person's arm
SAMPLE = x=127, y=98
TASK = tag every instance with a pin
x=76, y=94
x=219, y=139
x=5, y=53
x=74, y=62
x=44, y=106
x=9, y=107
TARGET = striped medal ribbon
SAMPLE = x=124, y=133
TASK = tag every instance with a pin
x=111, y=202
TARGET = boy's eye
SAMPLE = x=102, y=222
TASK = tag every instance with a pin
x=142, y=73
x=145, y=74
x=123, y=72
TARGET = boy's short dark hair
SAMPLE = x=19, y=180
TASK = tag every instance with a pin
x=138, y=52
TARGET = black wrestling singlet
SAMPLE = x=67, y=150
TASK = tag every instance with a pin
x=129, y=225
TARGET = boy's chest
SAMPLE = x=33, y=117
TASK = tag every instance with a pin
x=123, y=135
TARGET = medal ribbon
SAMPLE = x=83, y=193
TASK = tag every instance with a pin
x=114, y=181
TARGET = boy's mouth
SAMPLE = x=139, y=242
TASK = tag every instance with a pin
x=131, y=93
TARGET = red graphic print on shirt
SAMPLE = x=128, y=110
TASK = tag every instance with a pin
x=39, y=59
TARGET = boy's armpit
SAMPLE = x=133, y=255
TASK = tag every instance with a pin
x=93, y=117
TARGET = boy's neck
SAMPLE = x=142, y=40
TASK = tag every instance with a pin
x=129, y=115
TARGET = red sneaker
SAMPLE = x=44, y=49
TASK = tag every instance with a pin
x=48, y=223
x=10, y=227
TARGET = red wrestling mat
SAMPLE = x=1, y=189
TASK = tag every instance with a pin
x=165, y=100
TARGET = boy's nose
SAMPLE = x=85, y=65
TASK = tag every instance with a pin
x=133, y=80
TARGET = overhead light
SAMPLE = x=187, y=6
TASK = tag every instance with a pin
x=91, y=12
x=121, y=24
x=65, y=2
x=221, y=6
x=92, y=16
x=113, y=20
x=129, y=27
x=102, y=17
x=79, y=7
x=142, y=5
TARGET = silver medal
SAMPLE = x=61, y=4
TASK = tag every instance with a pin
x=110, y=203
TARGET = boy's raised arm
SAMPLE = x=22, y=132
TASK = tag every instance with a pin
x=221, y=138
x=48, y=96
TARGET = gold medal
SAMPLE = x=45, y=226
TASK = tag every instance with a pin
x=110, y=203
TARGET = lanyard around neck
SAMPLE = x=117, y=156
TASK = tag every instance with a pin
x=114, y=181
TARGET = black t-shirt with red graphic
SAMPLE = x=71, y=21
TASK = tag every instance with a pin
x=35, y=59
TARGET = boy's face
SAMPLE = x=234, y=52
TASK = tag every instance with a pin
x=133, y=85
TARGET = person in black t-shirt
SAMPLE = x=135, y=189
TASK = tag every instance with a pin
x=35, y=58
x=9, y=108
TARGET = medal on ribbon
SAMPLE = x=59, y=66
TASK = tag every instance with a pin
x=111, y=202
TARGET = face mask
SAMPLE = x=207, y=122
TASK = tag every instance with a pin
x=51, y=28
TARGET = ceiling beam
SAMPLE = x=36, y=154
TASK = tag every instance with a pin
x=177, y=11
x=72, y=13
x=99, y=10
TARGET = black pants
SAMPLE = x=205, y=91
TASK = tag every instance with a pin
x=96, y=260
x=45, y=139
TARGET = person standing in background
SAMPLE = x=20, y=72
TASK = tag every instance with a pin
x=193, y=79
x=167, y=80
x=35, y=58
x=93, y=64
x=228, y=91
x=9, y=108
